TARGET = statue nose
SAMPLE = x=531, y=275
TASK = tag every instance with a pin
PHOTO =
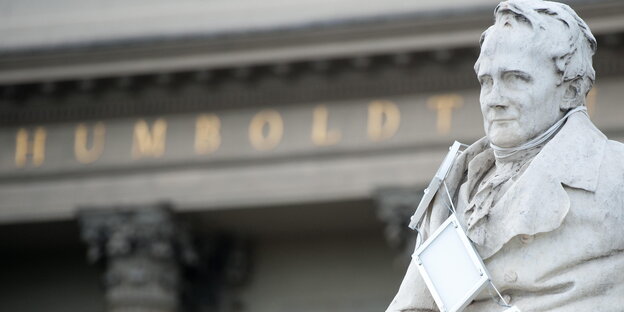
x=494, y=98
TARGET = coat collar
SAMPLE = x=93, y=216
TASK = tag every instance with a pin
x=574, y=155
x=537, y=202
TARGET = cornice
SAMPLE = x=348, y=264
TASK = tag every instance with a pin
x=397, y=34
x=256, y=86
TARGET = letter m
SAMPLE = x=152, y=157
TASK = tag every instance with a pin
x=149, y=141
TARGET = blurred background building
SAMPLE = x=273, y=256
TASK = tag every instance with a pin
x=235, y=155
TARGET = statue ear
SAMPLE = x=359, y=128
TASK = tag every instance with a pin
x=572, y=96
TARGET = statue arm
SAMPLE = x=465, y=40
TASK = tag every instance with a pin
x=413, y=295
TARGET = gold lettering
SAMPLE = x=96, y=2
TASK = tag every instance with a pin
x=271, y=121
x=207, y=134
x=591, y=101
x=84, y=154
x=35, y=148
x=384, y=119
x=149, y=142
x=444, y=105
x=322, y=136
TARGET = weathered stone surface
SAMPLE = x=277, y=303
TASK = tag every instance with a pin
x=541, y=195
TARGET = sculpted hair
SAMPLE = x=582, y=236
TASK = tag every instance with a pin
x=573, y=56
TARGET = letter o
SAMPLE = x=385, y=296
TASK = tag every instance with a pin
x=268, y=119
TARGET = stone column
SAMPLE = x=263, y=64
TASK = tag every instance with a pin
x=395, y=206
x=142, y=251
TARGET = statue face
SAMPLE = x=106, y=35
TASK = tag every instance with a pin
x=519, y=94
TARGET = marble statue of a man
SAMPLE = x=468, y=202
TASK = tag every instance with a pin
x=541, y=197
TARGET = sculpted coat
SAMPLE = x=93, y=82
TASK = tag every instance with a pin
x=554, y=241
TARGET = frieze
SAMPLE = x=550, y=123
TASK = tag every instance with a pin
x=251, y=134
x=230, y=134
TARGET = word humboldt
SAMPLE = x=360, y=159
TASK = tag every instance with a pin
x=265, y=132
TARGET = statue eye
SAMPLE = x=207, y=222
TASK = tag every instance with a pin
x=516, y=78
x=485, y=81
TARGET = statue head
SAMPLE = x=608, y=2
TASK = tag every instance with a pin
x=535, y=65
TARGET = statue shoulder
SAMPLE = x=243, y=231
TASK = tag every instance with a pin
x=614, y=155
x=612, y=169
x=615, y=147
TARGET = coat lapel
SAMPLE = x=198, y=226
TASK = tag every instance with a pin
x=439, y=211
x=538, y=202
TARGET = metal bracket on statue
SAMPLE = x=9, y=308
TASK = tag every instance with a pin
x=435, y=184
x=451, y=267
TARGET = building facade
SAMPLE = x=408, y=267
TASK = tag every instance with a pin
x=235, y=156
